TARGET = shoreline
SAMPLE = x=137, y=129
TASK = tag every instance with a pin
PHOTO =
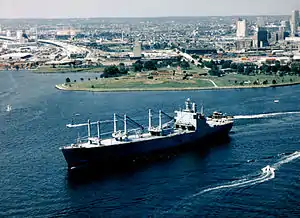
x=62, y=87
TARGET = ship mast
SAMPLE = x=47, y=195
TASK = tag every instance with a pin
x=150, y=119
x=125, y=124
x=98, y=131
x=160, y=120
x=89, y=128
x=115, y=123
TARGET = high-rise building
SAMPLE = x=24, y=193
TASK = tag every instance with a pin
x=282, y=33
x=241, y=28
x=295, y=21
x=261, y=38
x=8, y=33
x=137, y=50
x=19, y=34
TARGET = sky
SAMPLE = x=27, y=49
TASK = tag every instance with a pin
x=142, y=8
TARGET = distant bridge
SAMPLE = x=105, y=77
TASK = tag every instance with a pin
x=7, y=38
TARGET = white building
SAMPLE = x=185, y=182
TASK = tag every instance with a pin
x=241, y=29
x=19, y=34
x=137, y=50
x=295, y=20
x=8, y=33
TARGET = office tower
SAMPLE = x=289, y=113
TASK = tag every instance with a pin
x=241, y=28
x=294, y=22
x=261, y=38
x=137, y=50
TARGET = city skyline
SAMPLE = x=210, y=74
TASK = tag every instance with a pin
x=11, y=9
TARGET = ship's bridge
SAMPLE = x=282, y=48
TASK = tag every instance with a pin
x=188, y=118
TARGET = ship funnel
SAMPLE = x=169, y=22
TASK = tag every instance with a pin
x=187, y=104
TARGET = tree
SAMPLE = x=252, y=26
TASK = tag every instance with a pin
x=150, y=65
x=274, y=82
x=266, y=69
x=195, y=56
x=137, y=66
x=277, y=65
x=123, y=69
x=214, y=71
x=240, y=68
x=226, y=64
x=265, y=82
x=111, y=71
x=285, y=68
x=274, y=69
x=81, y=79
x=68, y=80
x=75, y=81
x=209, y=64
x=295, y=68
x=184, y=65
x=233, y=66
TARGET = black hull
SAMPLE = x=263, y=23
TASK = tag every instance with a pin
x=113, y=156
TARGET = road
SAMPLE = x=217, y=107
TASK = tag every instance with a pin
x=188, y=57
x=215, y=85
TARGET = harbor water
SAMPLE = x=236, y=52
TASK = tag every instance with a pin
x=255, y=173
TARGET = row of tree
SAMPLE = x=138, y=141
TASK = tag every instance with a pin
x=113, y=71
x=139, y=66
x=217, y=68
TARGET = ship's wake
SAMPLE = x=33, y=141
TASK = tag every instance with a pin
x=259, y=116
x=267, y=173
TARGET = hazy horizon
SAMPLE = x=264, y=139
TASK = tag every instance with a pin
x=57, y=9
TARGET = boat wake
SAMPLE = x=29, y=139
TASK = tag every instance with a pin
x=267, y=173
x=287, y=159
x=259, y=116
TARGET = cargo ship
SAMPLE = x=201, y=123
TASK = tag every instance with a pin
x=186, y=127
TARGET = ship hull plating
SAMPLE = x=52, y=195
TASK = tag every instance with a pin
x=82, y=157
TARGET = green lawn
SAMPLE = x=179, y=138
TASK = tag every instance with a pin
x=110, y=83
x=229, y=79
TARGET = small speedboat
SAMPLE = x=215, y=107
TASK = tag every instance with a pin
x=8, y=108
x=276, y=101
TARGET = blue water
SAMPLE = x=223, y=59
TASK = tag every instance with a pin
x=224, y=180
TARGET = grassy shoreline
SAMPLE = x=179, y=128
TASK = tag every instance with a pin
x=63, y=87
x=170, y=82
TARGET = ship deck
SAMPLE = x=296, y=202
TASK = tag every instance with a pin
x=93, y=141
